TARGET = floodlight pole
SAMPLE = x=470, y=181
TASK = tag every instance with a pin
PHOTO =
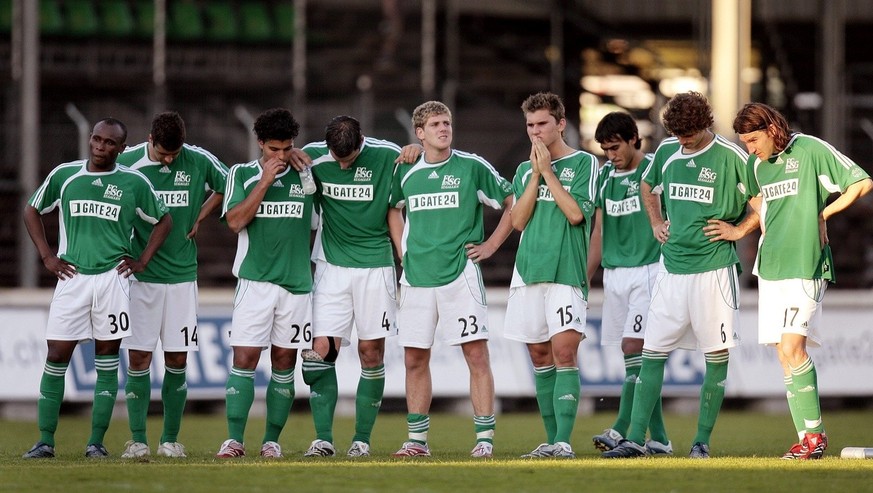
x=159, y=57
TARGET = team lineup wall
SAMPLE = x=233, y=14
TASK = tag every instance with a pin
x=843, y=363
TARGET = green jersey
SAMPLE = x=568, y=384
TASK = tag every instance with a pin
x=551, y=249
x=707, y=184
x=794, y=186
x=627, y=232
x=182, y=186
x=274, y=245
x=97, y=212
x=443, y=204
x=354, y=205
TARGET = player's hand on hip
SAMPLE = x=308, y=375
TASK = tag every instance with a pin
x=60, y=268
x=662, y=232
x=128, y=267
x=480, y=252
x=718, y=230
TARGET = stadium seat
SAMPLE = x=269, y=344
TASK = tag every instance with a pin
x=184, y=21
x=145, y=19
x=284, y=15
x=221, y=21
x=117, y=18
x=255, y=22
x=81, y=18
x=5, y=16
x=51, y=20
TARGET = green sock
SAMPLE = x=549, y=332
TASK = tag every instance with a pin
x=368, y=400
x=105, y=392
x=174, y=393
x=806, y=387
x=711, y=394
x=647, y=394
x=239, y=396
x=418, y=426
x=321, y=377
x=632, y=363
x=657, y=430
x=137, y=394
x=484, y=426
x=544, y=378
x=280, y=397
x=567, y=387
x=790, y=394
x=51, y=394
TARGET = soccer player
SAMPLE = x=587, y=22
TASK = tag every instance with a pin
x=163, y=298
x=98, y=203
x=696, y=302
x=623, y=243
x=265, y=205
x=554, y=194
x=793, y=176
x=355, y=282
x=441, y=286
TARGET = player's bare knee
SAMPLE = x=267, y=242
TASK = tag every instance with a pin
x=140, y=360
x=371, y=353
x=176, y=360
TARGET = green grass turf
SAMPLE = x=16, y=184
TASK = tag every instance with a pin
x=745, y=448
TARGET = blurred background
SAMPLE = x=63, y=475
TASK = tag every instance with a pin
x=66, y=63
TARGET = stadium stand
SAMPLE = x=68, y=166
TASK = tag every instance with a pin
x=82, y=18
x=117, y=19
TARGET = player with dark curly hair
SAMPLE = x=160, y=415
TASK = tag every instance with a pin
x=702, y=184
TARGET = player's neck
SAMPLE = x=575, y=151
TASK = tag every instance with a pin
x=635, y=162
x=93, y=168
x=433, y=155
x=560, y=149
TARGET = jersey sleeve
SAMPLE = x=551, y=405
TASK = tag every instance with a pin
x=149, y=206
x=315, y=149
x=519, y=181
x=842, y=170
x=654, y=173
x=216, y=173
x=234, y=190
x=494, y=187
x=397, y=198
x=47, y=196
x=584, y=186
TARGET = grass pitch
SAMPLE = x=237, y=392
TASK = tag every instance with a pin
x=745, y=448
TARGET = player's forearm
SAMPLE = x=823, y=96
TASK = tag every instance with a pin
x=750, y=223
x=595, y=247
x=522, y=210
x=210, y=205
x=156, y=238
x=395, y=229
x=651, y=204
x=503, y=229
x=36, y=229
x=565, y=202
x=853, y=192
x=242, y=214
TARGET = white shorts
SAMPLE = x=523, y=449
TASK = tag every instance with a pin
x=457, y=311
x=265, y=313
x=86, y=307
x=627, y=293
x=363, y=297
x=791, y=306
x=694, y=311
x=537, y=312
x=163, y=311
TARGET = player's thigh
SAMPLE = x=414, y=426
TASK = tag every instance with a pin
x=463, y=315
x=292, y=325
x=333, y=302
x=254, y=305
x=525, y=319
x=669, y=318
x=147, y=303
x=627, y=295
x=715, y=310
x=791, y=306
x=110, y=315
x=179, y=332
x=375, y=302
x=417, y=316
x=69, y=317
